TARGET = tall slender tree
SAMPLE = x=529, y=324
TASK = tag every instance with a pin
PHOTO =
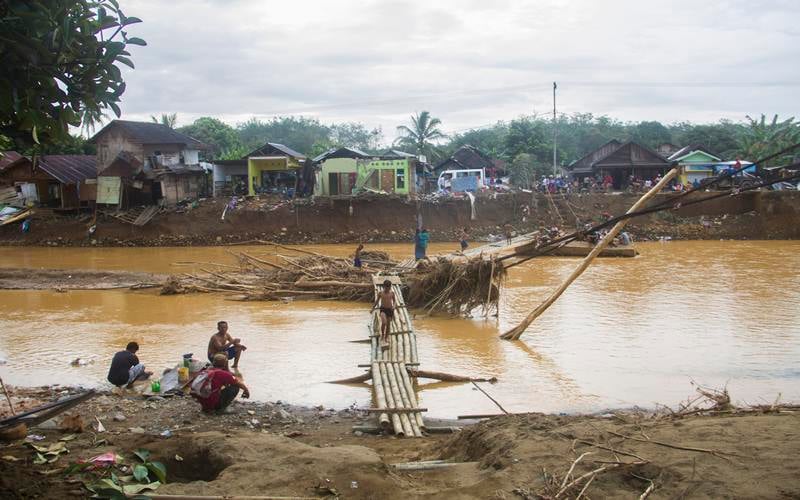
x=421, y=135
x=170, y=120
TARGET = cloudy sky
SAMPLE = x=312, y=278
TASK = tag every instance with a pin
x=469, y=62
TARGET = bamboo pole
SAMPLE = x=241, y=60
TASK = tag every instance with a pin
x=516, y=332
x=390, y=402
x=354, y=380
x=398, y=400
x=380, y=398
x=412, y=395
x=446, y=377
x=405, y=398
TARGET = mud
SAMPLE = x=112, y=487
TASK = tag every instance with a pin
x=275, y=449
x=752, y=215
x=74, y=279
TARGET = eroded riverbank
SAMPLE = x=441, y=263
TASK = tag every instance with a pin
x=275, y=449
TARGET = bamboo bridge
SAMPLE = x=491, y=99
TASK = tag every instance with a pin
x=392, y=387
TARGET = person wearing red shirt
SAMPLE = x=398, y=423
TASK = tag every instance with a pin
x=224, y=386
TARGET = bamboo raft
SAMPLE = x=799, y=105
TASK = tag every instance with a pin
x=392, y=387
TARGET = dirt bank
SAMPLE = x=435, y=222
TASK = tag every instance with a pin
x=752, y=215
x=274, y=449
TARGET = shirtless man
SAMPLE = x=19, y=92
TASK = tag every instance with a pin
x=222, y=342
x=386, y=304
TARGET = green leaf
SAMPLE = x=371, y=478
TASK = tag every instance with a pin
x=143, y=454
x=135, y=489
x=159, y=470
x=76, y=468
x=136, y=41
x=115, y=108
x=131, y=20
x=127, y=62
x=39, y=459
x=140, y=472
x=35, y=135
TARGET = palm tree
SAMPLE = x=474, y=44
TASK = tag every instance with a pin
x=762, y=138
x=168, y=120
x=421, y=135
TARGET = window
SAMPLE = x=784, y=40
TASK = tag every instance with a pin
x=401, y=178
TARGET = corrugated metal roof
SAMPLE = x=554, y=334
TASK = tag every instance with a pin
x=274, y=146
x=342, y=152
x=151, y=133
x=69, y=169
x=8, y=157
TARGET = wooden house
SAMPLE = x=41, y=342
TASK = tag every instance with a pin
x=620, y=161
x=142, y=163
x=466, y=158
x=54, y=181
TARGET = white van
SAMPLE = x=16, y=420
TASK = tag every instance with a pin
x=446, y=178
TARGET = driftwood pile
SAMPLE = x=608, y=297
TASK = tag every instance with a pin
x=454, y=286
x=312, y=276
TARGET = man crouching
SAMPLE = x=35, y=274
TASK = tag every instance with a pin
x=217, y=390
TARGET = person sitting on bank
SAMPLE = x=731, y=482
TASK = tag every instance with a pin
x=224, y=386
x=222, y=343
x=126, y=368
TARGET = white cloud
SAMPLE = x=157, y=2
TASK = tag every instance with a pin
x=470, y=62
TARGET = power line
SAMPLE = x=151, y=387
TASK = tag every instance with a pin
x=536, y=86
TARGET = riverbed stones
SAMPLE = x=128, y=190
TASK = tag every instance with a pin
x=119, y=417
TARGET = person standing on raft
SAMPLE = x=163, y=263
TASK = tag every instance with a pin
x=222, y=343
x=386, y=305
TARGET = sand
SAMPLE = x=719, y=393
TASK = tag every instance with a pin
x=311, y=452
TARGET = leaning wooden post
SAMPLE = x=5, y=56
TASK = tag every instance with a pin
x=517, y=331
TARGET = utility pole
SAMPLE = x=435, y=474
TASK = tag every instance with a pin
x=555, y=129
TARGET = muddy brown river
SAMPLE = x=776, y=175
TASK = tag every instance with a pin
x=628, y=332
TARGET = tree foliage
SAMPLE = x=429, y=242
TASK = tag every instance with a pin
x=167, y=119
x=422, y=135
x=763, y=138
x=60, y=65
x=216, y=133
